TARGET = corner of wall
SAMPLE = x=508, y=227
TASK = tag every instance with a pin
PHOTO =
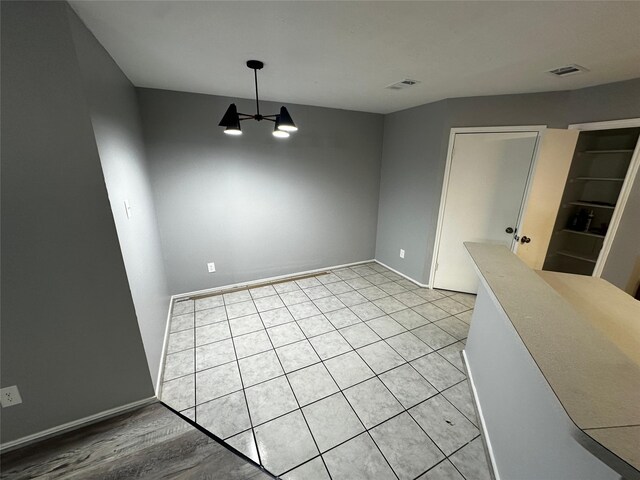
x=116, y=122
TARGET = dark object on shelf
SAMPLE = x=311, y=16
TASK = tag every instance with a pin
x=589, y=220
x=579, y=221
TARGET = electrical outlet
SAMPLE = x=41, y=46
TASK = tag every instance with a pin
x=10, y=396
x=401, y=253
x=211, y=267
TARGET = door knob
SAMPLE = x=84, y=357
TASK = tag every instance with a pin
x=509, y=230
x=525, y=239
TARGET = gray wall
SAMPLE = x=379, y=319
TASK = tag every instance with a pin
x=411, y=177
x=256, y=205
x=415, y=149
x=613, y=101
x=70, y=340
x=118, y=132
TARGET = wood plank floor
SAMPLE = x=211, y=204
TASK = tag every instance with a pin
x=150, y=442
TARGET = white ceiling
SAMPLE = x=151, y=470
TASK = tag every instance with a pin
x=343, y=54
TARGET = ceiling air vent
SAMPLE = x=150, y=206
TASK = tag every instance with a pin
x=402, y=84
x=567, y=70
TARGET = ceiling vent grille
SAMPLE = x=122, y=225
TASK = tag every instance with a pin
x=567, y=70
x=402, y=84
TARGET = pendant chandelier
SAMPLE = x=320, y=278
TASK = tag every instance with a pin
x=231, y=119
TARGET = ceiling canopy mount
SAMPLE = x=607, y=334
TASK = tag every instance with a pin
x=231, y=120
x=255, y=64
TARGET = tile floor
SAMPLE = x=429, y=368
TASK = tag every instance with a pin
x=355, y=374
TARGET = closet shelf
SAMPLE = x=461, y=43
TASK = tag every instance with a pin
x=587, y=234
x=594, y=205
x=577, y=256
x=599, y=179
x=597, y=152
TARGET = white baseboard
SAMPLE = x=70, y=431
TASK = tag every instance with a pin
x=81, y=422
x=165, y=344
x=402, y=274
x=180, y=296
x=483, y=425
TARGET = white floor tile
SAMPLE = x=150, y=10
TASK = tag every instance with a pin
x=277, y=450
x=444, y=424
x=270, y=399
x=259, y=368
x=373, y=402
x=358, y=459
x=330, y=345
x=225, y=416
x=332, y=421
x=348, y=369
x=216, y=382
x=312, y=383
x=407, y=448
x=297, y=355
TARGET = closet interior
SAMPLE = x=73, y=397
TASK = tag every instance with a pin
x=598, y=170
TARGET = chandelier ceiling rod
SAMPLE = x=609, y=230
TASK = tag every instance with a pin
x=256, y=65
x=255, y=78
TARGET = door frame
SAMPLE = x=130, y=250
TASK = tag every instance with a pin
x=625, y=191
x=447, y=173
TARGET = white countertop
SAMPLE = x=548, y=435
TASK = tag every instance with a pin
x=583, y=353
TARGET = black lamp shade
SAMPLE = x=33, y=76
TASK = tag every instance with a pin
x=231, y=118
x=277, y=131
x=285, y=121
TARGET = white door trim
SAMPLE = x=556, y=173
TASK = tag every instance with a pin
x=447, y=173
x=608, y=125
x=629, y=178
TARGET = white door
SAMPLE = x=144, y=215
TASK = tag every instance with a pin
x=485, y=188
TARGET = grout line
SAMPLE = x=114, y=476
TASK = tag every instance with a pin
x=296, y=398
x=385, y=386
x=445, y=459
x=306, y=462
x=405, y=409
x=340, y=390
x=316, y=363
x=313, y=336
x=244, y=394
x=367, y=430
x=219, y=440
